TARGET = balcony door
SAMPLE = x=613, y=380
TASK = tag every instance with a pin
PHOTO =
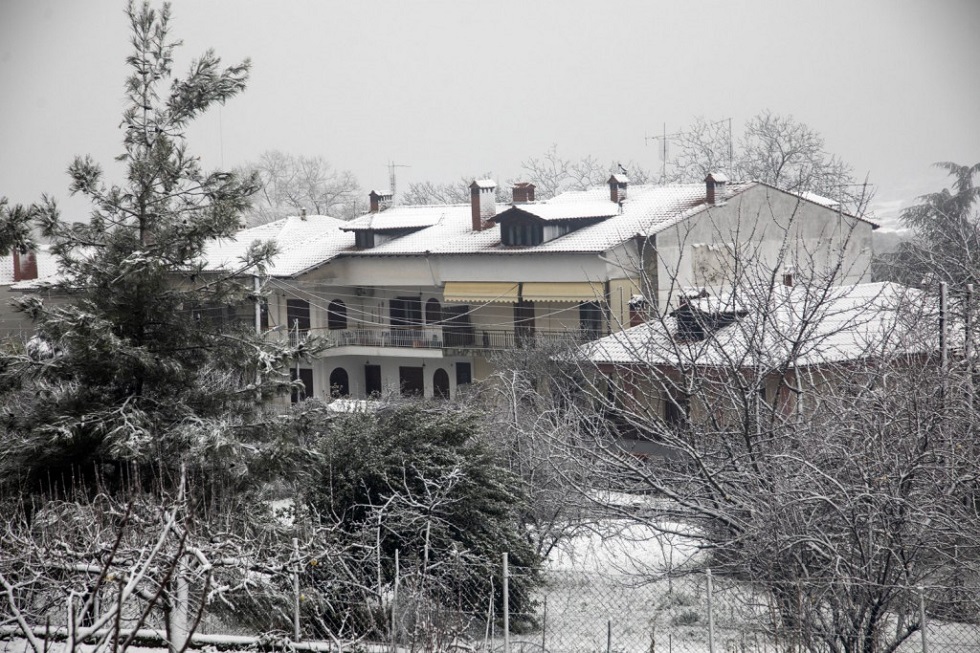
x=524, y=323
x=405, y=316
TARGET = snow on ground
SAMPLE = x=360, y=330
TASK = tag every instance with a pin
x=620, y=546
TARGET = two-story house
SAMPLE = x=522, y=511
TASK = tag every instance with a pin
x=415, y=299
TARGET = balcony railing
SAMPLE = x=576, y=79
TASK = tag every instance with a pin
x=454, y=338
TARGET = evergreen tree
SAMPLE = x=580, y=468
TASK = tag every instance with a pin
x=127, y=370
x=946, y=229
x=424, y=483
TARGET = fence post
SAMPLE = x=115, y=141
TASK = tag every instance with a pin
x=711, y=616
x=608, y=635
x=506, y=606
x=296, y=570
x=922, y=621
x=544, y=625
x=394, y=605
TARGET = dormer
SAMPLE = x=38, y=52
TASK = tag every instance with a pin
x=385, y=222
x=532, y=223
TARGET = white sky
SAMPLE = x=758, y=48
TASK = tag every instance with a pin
x=455, y=88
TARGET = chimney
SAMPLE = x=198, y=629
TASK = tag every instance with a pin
x=25, y=265
x=715, y=188
x=638, y=310
x=523, y=192
x=789, y=277
x=483, y=202
x=617, y=188
x=380, y=200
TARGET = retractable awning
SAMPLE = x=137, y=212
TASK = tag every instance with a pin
x=583, y=291
x=480, y=292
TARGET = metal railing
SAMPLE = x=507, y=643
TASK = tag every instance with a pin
x=456, y=338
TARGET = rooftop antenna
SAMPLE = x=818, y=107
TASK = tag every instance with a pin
x=665, y=138
x=391, y=175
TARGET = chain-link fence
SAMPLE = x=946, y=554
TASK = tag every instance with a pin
x=488, y=605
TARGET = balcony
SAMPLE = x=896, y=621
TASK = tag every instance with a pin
x=466, y=338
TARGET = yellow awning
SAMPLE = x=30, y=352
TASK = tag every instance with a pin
x=579, y=291
x=480, y=291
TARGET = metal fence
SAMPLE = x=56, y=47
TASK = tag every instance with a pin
x=432, y=606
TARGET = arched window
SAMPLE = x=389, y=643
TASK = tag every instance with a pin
x=433, y=311
x=336, y=315
x=339, y=383
x=440, y=384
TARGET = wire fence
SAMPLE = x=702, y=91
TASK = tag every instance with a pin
x=467, y=605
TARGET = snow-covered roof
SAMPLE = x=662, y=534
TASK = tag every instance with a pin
x=648, y=210
x=819, y=199
x=554, y=211
x=304, y=243
x=484, y=183
x=801, y=326
x=403, y=217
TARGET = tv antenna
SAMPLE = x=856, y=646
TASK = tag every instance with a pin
x=665, y=139
x=391, y=175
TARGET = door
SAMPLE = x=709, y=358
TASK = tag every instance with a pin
x=524, y=323
x=372, y=381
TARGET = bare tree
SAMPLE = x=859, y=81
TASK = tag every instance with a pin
x=772, y=148
x=458, y=192
x=552, y=174
x=805, y=437
x=290, y=183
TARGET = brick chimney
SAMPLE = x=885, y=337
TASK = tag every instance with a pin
x=715, y=188
x=380, y=200
x=617, y=188
x=523, y=192
x=25, y=265
x=483, y=202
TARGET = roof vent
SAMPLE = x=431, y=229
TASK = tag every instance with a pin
x=715, y=188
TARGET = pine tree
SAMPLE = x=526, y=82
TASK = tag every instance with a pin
x=132, y=368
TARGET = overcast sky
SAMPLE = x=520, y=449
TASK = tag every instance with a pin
x=459, y=88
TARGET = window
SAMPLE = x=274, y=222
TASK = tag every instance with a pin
x=457, y=331
x=298, y=315
x=306, y=376
x=440, y=384
x=412, y=381
x=524, y=234
x=339, y=383
x=372, y=380
x=363, y=239
x=336, y=315
x=433, y=311
x=405, y=313
x=264, y=314
x=676, y=409
x=590, y=320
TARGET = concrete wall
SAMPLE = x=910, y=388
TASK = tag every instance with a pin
x=769, y=230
